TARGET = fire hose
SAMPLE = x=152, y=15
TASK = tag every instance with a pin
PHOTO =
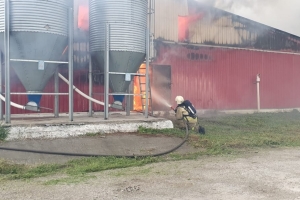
x=81, y=93
x=101, y=155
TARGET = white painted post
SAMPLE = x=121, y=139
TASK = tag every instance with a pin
x=257, y=90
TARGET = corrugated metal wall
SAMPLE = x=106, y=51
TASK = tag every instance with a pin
x=214, y=78
x=210, y=27
x=166, y=18
x=222, y=31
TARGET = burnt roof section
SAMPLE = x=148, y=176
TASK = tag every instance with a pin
x=251, y=34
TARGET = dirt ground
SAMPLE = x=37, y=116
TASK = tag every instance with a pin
x=268, y=174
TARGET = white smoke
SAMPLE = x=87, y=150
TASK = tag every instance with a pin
x=280, y=14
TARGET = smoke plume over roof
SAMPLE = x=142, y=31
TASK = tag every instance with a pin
x=280, y=14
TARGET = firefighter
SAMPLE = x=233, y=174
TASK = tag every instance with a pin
x=182, y=115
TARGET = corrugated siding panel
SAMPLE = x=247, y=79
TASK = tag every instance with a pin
x=280, y=81
x=227, y=79
x=166, y=18
x=211, y=26
x=81, y=54
x=222, y=31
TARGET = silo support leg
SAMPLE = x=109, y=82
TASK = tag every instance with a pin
x=128, y=100
x=7, y=62
x=71, y=97
x=1, y=91
x=56, y=97
x=90, y=87
x=106, y=72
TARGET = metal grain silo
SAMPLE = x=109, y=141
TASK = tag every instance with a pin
x=128, y=23
x=38, y=31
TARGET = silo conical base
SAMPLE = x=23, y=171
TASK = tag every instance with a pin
x=35, y=46
x=120, y=62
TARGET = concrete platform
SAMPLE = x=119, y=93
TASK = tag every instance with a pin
x=46, y=133
x=37, y=126
x=106, y=144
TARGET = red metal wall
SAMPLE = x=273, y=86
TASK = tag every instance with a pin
x=212, y=78
x=215, y=78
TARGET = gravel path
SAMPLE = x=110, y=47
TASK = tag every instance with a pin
x=268, y=174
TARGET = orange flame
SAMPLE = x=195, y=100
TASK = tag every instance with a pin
x=137, y=100
x=83, y=17
x=183, y=25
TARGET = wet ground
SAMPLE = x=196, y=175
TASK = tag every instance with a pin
x=44, y=132
x=104, y=144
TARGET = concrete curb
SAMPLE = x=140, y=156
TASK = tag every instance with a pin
x=73, y=130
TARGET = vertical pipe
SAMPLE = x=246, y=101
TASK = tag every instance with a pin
x=128, y=99
x=1, y=91
x=71, y=97
x=106, y=72
x=258, y=93
x=150, y=29
x=56, y=97
x=90, y=86
x=7, y=62
x=147, y=73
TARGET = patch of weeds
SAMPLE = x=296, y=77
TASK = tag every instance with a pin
x=197, y=141
x=70, y=180
x=135, y=171
x=10, y=168
x=4, y=131
x=93, y=134
x=176, y=157
x=42, y=170
x=87, y=165
x=168, y=131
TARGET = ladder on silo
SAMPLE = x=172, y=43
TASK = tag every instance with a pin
x=142, y=84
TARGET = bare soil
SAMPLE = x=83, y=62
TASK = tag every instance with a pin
x=272, y=174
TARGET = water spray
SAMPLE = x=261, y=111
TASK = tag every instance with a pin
x=160, y=99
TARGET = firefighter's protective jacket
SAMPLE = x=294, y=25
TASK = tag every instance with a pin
x=182, y=114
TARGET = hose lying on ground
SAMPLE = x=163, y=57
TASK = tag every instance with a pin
x=99, y=155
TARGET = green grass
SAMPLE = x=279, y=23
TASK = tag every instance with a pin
x=4, y=131
x=69, y=180
x=230, y=134
x=248, y=131
x=168, y=131
x=76, y=168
